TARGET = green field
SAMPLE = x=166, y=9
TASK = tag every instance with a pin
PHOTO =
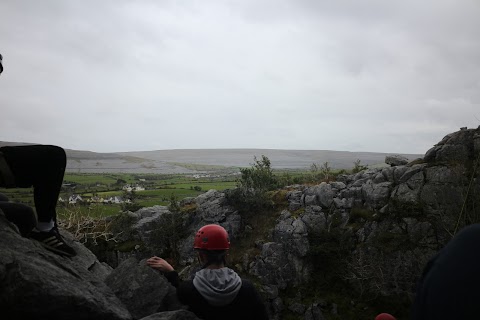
x=158, y=190
x=95, y=211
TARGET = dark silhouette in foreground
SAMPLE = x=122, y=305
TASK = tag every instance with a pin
x=450, y=282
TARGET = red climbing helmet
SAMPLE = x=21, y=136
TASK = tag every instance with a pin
x=385, y=316
x=212, y=237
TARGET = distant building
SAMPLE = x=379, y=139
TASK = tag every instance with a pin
x=96, y=199
x=115, y=199
x=74, y=198
x=198, y=176
x=130, y=188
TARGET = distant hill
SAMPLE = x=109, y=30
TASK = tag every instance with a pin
x=292, y=159
x=201, y=160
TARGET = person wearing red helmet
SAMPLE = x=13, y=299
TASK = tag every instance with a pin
x=216, y=291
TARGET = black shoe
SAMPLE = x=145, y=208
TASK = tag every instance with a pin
x=53, y=241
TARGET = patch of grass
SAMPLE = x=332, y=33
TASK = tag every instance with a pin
x=207, y=185
x=151, y=203
x=108, y=179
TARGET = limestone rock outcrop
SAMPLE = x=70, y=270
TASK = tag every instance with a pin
x=38, y=284
x=389, y=221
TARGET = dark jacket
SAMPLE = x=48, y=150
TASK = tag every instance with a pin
x=450, y=284
x=247, y=303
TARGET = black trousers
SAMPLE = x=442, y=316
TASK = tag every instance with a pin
x=41, y=167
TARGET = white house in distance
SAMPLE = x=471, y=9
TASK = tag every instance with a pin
x=74, y=198
x=116, y=199
x=96, y=199
x=130, y=188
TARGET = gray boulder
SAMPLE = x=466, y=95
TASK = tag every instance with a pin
x=408, y=173
x=325, y=194
x=396, y=160
x=443, y=193
x=314, y=219
x=282, y=262
x=458, y=146
x=388, y=173
x=38, y=284
x=213, y=208
x=376, y=195
x=292, y=233
x=409, y=191
x=272, y=267
x=86, y=259
x=141, y=289
x=294, y=196
x=148, y=216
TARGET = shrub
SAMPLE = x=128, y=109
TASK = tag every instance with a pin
x=358, y=166
x=169, y=229
x=87, y=228
x=259, y=177
x=253, y=185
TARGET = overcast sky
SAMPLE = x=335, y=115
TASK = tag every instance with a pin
x=381, y=76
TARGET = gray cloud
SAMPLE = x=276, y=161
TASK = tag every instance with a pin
x=389, y=76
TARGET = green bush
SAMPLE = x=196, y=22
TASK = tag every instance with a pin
x=170, y=228
x=252, y=187
x=259, y=177
x=358, y=166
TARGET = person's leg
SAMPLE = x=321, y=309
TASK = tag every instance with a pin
x=42, y=167
x=21, y=215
